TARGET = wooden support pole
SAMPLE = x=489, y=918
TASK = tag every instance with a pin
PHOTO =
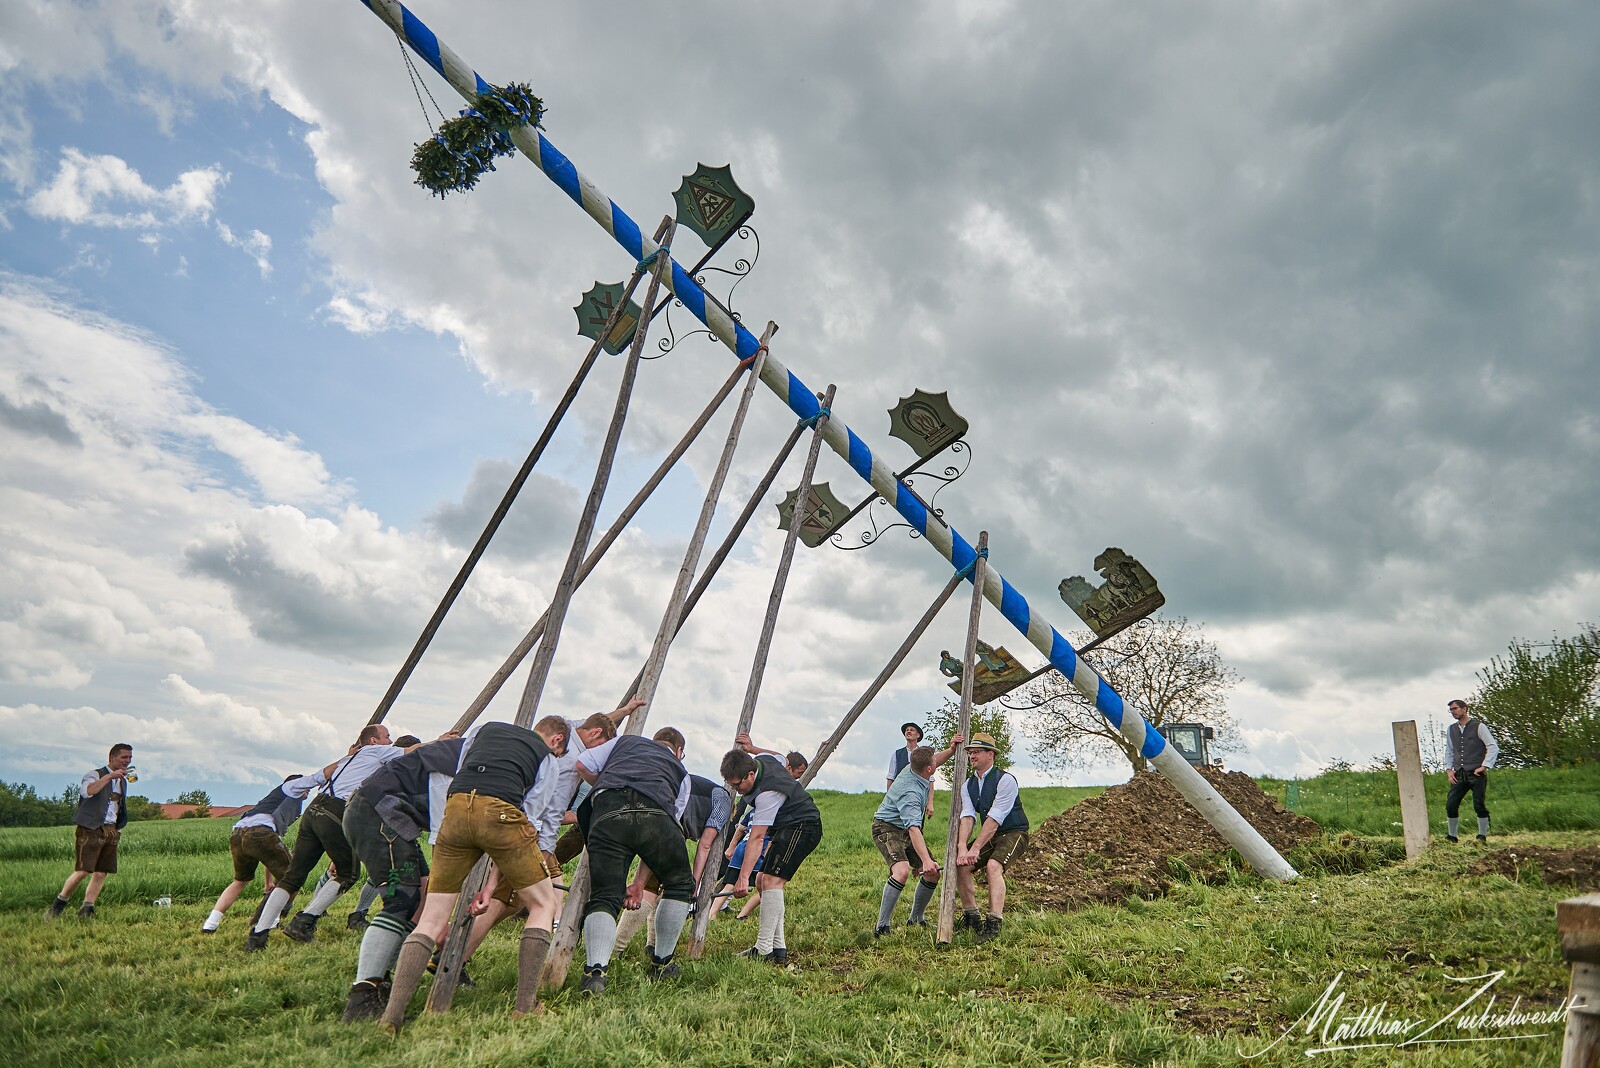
x=900, y=654
x=559, y=961
x=958, y=774
x=598, y=552
x=482, y=544
x=1578, y=919
x=1413, y=799
x=452, y=953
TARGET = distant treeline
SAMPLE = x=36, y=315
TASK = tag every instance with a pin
x=22, y=806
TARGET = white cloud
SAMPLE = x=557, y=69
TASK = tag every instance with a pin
x=102, y=190
x=257, y=245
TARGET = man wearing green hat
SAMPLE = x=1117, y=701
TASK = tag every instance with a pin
x=991, y=805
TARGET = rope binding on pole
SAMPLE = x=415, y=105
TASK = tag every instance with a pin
x=749, y=361
x=810, y=422
x=972, y=565
x=464, y=148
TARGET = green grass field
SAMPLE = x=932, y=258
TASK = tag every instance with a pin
x=1201, y=977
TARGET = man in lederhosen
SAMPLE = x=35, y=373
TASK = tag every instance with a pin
x=101, y=814
x=257, y=841
x=383, y=821
x=322, y=832
x=991, y=806
x=897, y=832
x=1470, y=751
x=501, y=792
x=641, y=789
x=784, y=812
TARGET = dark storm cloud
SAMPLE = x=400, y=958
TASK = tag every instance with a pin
x=541, y=519
x=39, y=420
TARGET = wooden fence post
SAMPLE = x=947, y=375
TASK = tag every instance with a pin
x=1578, y=919
x=1413, y=799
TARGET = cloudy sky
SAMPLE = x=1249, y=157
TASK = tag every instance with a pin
x=1297, y=303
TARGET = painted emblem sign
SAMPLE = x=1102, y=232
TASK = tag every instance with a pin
x=1128, y=594
x=926, y=422
x=595, y=311
x=711, y=203
x=821, y=512
x=997, y=673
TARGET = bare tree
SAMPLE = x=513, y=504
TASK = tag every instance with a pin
x=1166, y=671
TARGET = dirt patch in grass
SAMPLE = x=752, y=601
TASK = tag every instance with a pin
x=1141, y=837
x=1567, y=867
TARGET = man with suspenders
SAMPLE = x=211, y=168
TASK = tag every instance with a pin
x=991, y=806
x=785, y=813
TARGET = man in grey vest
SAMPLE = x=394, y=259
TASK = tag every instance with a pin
x=257, y=840
x=641, y=789
x=101, y=814
x=1470, y=751
x=991, y=806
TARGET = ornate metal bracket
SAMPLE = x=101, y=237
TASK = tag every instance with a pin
x=960, y=460
x=739, y=271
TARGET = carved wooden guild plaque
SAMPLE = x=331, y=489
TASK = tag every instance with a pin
x=822, y=511
x=926, y=422
x=711, y=203
x=595, y=310
x=997, y=673
x=1128, y=594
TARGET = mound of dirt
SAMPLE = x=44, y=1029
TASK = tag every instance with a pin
x=1567, y=867
x=1138, y=837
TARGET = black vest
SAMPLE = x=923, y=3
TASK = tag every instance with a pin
x=649, y=767
x=503, y=762
x=983, y=801
x=283, y=809
x=91, y=811
x=1471, y=751
x=702, y=798
x=902, y=757
x=797, y=804
x=398, y=791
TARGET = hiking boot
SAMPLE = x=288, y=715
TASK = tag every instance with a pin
x=753, y=953
x=463, y=980
x=1483, y=839
x=86, y=911
x=880, y=930
x=366, y=1002
x=779, y=957
x=57, y=907
x=916, y=923
x=356, y=921
x=649, y=952
x=303, y=928
x=991, y=929
x=1451, y=838
x=594, y=981
x=255, y=940
x=661, y=968
x=971, y=920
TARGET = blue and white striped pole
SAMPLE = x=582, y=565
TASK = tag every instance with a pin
x=803, y=402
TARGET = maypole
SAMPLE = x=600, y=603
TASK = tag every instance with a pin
x=936, y=533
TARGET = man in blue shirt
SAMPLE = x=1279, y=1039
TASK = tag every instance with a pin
x=897, y=831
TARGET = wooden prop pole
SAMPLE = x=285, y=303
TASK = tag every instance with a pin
x=1578, y=920
x=598, y=552
x=747, y=711
x=559, y=961
x=455, y=946
x=958, y=775
x=900, y=654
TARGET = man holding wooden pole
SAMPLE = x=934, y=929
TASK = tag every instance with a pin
x=989, y=801
x=897, y=832
x=783, y=811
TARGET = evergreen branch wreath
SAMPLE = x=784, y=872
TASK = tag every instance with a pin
x=465, y=147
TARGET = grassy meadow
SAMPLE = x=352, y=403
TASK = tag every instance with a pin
x=1205, y=976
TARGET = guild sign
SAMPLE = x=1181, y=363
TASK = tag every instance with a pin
x=823, y=510
x=711, y=204
x=1128, y=594
x=998, y=673
x=595, y=311
x=926, y=422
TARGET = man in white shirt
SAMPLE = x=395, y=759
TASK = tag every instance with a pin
x=991, y=805
x=101, y=814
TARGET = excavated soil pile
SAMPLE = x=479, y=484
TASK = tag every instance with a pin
x=1139, y=838
x=1568, y=867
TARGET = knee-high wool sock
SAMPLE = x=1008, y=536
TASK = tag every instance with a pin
x=277, y=901
x=599, y=938
x=920, y=899
x=777, y=927
x=535, y=946
x=380, y=944
x=669, y=920
x=770, y=936
x=408, y=971
x=891, y=898
x=324, y=897
x=1453, y=825
x=1483, y=826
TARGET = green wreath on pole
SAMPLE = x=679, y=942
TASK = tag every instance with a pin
x=464, y=148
